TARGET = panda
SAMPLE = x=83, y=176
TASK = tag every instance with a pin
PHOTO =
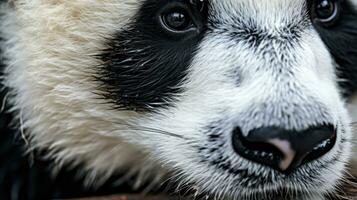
x=227, y=99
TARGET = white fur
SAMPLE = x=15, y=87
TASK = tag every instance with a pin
x=50, y=63
x=50, y=72
x=352, y=107
x=210, y=93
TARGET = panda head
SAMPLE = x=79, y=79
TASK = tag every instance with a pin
x=242, y=99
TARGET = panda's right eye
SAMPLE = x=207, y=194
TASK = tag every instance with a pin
x=182, y=19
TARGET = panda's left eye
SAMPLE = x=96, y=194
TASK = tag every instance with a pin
x=326, y=12
x=182, y=18
x=177, y=20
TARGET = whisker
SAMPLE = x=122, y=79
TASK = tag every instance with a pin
x=346, y=188
x=145, y=129
x=3, y=105
x=132, y=127
x=353, y=143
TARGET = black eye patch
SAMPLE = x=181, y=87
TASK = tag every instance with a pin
x=341, y=40
x=143, y=66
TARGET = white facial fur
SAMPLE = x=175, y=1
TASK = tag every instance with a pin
x=352, y=108
x=50, y=73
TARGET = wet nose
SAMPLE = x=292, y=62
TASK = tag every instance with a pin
x=284, y=150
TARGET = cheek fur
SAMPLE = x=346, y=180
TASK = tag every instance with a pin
x=142, y=69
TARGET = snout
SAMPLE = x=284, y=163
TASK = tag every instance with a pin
x=284, y=150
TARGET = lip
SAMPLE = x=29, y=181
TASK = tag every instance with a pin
x=310, y=172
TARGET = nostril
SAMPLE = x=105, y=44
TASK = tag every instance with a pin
x=260, y=152
x=324, y=145
x=282, y=149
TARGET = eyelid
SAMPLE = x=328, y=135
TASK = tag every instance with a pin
x=328, y=22
x=195, y=16
x=333, y=16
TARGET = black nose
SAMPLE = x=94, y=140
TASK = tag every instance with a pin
x=284, y=150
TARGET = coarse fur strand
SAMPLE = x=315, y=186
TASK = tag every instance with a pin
x=84, y=87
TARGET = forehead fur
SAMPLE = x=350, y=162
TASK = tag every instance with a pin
x=260, y=9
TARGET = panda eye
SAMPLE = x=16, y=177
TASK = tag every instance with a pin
x=326, y=12
x=177, y=20
x=182, y=19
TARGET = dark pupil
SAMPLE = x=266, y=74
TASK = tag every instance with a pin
x=177, y=20
x=325, y=9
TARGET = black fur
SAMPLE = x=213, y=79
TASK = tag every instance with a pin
x=144, y=65
x=150, y=79
x=28, y=177
x=341, y=39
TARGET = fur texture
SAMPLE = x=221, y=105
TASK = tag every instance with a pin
x=251, y=69
x=73, y=64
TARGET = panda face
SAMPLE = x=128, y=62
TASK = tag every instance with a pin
x=241, y=98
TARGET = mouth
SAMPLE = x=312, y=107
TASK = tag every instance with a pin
x=273, y=188
x=258, y=179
